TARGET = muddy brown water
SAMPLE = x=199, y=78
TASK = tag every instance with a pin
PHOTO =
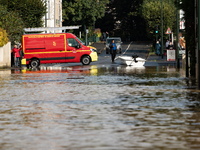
x=91, y=107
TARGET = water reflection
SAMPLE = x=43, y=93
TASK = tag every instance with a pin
x=92, y=107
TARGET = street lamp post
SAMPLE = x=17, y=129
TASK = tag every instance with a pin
x=162, y=27
x=94, y=16
x=177, y=36
x=94, y=21
x=199, y=44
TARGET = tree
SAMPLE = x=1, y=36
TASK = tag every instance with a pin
x=123, y=18
x=81, y=12
x=131, y=23
x=151, y=12
x=12, y=23
x=3, y=37
x=31, y=11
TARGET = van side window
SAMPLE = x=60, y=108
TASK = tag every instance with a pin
x=72, y=42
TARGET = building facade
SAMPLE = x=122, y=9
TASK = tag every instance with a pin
x=53, y=17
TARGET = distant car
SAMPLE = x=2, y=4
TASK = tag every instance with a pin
x=118, y=43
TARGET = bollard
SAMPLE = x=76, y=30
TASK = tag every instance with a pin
x=23, y=63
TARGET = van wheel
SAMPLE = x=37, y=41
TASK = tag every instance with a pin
x=85, y=60
x=34, y=63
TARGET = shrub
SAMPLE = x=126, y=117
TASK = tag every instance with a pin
x=3, y=37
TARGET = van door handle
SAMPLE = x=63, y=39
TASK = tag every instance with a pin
x=68, y=50
x=60, y=50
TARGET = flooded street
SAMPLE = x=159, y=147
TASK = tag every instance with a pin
x=98, y=107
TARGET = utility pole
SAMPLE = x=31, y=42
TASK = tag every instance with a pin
x=94, y=21
x=199, y=44
x=162, y=27
x=177, y=36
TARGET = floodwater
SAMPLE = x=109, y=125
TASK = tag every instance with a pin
x=91, y=107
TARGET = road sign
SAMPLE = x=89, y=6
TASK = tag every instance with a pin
x=168, y=31
x=171, y=55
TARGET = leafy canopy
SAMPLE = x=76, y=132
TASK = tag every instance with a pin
x=31, y=11
x=83, y=12
x=12, y=23
x=3, y=37
x=128, y=20
x=151, y=12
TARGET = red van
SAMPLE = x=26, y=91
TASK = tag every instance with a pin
x=56, y=48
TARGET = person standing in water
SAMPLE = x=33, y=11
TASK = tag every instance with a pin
x=113, y=50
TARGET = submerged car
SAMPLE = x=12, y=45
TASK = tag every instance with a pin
x=118, y=43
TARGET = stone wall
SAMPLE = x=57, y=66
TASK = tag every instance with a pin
x=5, y=56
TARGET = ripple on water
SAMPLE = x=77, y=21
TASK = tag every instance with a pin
x=112, y=108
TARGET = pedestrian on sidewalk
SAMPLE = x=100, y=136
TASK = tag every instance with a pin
x=170, y=46
x=167, y=44
x=104, y=36
x=160, y=41
x=107, y=34
x=158, y=48
x=113, y=50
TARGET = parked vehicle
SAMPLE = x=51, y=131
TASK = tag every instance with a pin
x=118, y=43
x=56, y=48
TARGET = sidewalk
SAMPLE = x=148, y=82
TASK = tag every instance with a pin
x=100, y=46
x=159, y=61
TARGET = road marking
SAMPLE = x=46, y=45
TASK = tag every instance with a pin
x=127, y=48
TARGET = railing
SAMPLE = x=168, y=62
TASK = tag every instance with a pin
x=92, y=39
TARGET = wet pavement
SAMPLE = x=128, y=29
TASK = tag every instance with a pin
x=98, y=107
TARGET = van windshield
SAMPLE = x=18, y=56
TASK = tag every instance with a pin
x=80, y=41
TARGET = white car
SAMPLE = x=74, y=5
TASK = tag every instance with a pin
x=118, y=43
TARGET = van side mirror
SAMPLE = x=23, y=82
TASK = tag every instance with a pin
x=78, y=46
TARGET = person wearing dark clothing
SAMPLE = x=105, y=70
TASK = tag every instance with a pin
x=134, y=56
x=113, y=50
x=12, y=59
x=21, y=53
x=104, y=36
x=158, y=48
x=170, y=46
x=107, y=35
x=160, y=41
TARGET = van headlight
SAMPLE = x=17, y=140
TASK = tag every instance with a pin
x=92, y=50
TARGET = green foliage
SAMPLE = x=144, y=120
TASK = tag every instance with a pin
x=31, y=11
x=128, y=20
x=3, y=37
x=123, y=18
x=151, y=12
x=12, y=23
x=98, y=32
x=83, y=12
